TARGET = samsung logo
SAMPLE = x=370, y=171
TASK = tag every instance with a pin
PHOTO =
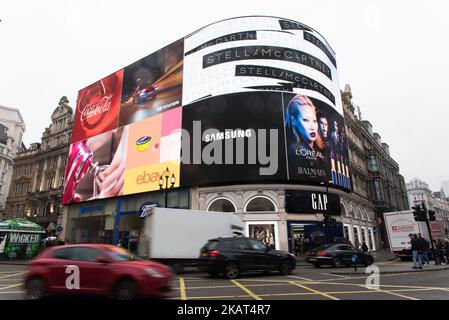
x=228, y=134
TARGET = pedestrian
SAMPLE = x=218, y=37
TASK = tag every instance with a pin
x=425, y=248
x=301, y=245
x=415, y=251
x=446, y=249
x=364, y=247
x=435, y=255
x=297, y=247
x=441, y=251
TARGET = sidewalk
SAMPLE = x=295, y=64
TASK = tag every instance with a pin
x=379, y=256
x=393, y=267
x=14, y=262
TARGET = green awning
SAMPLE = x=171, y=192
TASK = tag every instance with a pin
x=20, y=225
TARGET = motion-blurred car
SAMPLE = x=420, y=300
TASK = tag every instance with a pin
x=338, y=255
x=170, y=79
x=104, y=270
x=232, y=256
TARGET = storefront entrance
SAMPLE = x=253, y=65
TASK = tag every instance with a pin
x=306, y=235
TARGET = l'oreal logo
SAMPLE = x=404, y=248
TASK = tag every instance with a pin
x=147, y=177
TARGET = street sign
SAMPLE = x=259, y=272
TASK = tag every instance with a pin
x=145, y=208
x=354, y=258
x=59, y=228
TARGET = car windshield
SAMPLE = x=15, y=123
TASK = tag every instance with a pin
x=120, y=254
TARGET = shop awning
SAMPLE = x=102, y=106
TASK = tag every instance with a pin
x=20, y=225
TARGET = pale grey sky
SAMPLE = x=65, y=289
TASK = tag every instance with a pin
x=392, y=53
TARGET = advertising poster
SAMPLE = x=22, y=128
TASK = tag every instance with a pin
x=233, y=138
x=153, y=84
x=154, y=152
x=95, y=167
x=264, y=233
x=243, y=100
x=315, y=136
x=98, y=107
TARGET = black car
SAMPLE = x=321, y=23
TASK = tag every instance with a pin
x=232, y=256
x=338, y=255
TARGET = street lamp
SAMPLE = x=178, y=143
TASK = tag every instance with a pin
x=166, y=174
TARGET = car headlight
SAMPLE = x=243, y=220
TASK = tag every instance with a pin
x=154, y=273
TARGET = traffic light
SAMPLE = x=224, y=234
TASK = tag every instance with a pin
x=417, y=213
x=431, y=215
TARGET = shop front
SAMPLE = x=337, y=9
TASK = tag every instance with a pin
x=312, y=219
x=128, y=221
x=91, y=222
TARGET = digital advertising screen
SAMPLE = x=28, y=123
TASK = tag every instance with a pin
x=249, y=99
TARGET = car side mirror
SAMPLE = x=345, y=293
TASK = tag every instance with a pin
x=102, y=260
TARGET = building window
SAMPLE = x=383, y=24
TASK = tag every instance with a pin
x=260, y=204
x=222, y=205
x=377, y=190
x=372, y=164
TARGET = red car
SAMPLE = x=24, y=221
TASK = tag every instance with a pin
x=95, y=269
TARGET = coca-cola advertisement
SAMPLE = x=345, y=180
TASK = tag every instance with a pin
x=98, y=107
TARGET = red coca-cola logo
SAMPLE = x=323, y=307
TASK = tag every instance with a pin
x=98, y=107
x=94, y=111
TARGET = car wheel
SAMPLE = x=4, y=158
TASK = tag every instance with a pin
x=125, y=290
x=336, y=262
x=231, y=270
x=35, y=289
x=317, y=265
x=285, y=267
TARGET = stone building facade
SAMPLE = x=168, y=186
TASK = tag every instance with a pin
x=12, y=128
x=378, y=186
x=38, y=174
x=419, y=192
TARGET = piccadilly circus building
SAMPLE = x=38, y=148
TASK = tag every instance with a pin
x=244, y=115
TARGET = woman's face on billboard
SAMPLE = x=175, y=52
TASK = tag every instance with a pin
x=323, y=126
x=307, y=124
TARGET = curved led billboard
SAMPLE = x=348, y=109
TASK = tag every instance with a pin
x=243, y=100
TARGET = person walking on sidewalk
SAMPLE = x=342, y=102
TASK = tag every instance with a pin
x=415, y=251
x=446, y=249
x=441, y=251
x=425, y=248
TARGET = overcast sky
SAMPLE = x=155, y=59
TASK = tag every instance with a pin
x=394, y=54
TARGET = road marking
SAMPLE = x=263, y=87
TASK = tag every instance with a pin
x=11, y=275
x=336, y=275
x=11, y=286
x=182, y=289
x=8, y=292
x=301, y=278
x=231, y=286
x=213, y=297
x=241, y=286
x=389, y=292
x=315, y=291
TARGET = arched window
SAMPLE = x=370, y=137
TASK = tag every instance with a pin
x=260, y=204
x=361, y=214
x=222, y=205
x=344, y=212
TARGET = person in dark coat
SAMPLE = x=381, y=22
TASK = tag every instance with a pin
x=364, y=247
x=415, y=246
